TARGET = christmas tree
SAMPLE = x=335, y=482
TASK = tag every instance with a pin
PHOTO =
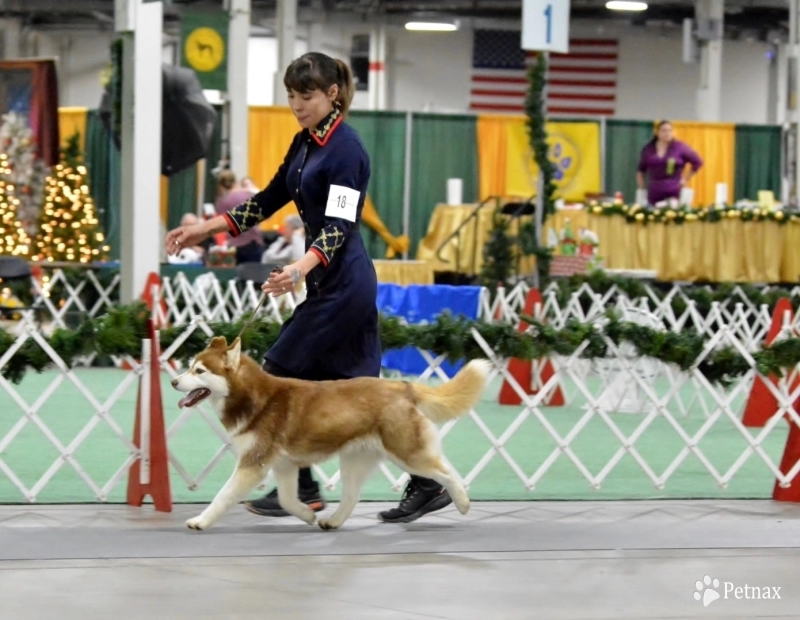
x=69, y=229
x=14, y=239
x=498, y=253
x=22, y=177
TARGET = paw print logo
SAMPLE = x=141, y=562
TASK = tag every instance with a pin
x=705, y=590
x=566, y=159
x=562, y=160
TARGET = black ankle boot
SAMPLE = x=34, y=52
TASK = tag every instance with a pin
x=269, y=506
x=420, y=497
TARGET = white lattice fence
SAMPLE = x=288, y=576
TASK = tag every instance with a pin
x=522, y=448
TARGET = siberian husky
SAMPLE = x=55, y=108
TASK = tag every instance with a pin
x=287, y=424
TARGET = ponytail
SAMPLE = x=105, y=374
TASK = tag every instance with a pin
x=346, y=86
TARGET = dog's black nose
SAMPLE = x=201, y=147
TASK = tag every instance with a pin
x=175, y=383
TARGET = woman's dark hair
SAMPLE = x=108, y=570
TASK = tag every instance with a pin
x=315, y=71
x=659, y=125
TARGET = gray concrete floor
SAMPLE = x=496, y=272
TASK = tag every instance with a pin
x=546, y=560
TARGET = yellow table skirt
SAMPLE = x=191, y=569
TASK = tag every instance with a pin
x=725, y=251
x=403, y=272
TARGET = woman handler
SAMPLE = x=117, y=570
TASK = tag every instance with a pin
x=333, y=334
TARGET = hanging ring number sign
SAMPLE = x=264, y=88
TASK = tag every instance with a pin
x=545, y=25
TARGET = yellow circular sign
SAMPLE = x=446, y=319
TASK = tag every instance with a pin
x=204, y=49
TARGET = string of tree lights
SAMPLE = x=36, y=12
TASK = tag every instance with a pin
x=14, y=239
x=69, y=229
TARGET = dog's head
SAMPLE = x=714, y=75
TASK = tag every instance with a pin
x=210, y=372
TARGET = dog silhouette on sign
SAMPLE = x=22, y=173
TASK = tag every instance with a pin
x=204, y=47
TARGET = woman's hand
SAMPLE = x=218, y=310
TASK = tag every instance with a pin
x=194, y=234
x=283, y=280
x=186, y=237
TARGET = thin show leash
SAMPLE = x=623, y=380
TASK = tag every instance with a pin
x=277, y=269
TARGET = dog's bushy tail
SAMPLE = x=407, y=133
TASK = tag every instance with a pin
x=454, y=398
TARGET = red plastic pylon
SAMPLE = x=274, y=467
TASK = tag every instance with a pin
x=791, y=454
x=157, y=486
x=761, y=402
x=522, y=370
x=153, y=280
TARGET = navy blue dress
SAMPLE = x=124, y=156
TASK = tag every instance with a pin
x=334, y=333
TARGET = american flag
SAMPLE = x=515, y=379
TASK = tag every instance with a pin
x=580, y=83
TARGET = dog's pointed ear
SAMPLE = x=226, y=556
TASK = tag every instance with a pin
x=234, y=355
x=218, y=342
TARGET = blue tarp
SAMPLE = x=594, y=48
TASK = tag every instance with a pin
x=423, y=303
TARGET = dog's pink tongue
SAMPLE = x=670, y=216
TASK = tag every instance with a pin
x=183, y=401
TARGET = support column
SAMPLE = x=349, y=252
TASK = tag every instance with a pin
x=140, y=24
x=11, y=30
x=710, y=15
x=377, y=68
x=287, y=34
x=238, y=37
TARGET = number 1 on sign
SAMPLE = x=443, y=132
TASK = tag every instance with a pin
x=548, y=14
x=545, y=25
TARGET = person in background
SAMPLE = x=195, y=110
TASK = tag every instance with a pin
x=667, y=163
x=250, y=244
x=248, y=184
x=290, y=246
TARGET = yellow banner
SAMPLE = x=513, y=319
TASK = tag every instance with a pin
x=574, y=151
x=271, y=131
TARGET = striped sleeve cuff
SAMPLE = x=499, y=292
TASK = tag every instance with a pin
x=233, y=227
x=243, y=217
x=329, y=240
x=321, y=255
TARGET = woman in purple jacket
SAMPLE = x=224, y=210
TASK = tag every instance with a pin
x=665, y=161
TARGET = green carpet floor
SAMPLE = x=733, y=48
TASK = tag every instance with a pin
x=66, y=411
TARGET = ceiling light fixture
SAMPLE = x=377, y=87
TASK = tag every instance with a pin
x=432, y=26
x=620, y=5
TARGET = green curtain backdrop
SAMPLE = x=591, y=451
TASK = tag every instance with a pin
x=758, y=161
x=181, y=196
x=624, y=142
x=443, y=147
x=103, y=164
x=384, y=136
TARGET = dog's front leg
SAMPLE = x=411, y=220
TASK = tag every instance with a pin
x=242, y=481
x=286, y=479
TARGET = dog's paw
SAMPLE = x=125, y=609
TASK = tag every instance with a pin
x=198, y=523
x=328, y=524
x=307, y=515
x=462, y=502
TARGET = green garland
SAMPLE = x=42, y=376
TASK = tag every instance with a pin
x=537, y=130
x=121, y=330
x=636, y=214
